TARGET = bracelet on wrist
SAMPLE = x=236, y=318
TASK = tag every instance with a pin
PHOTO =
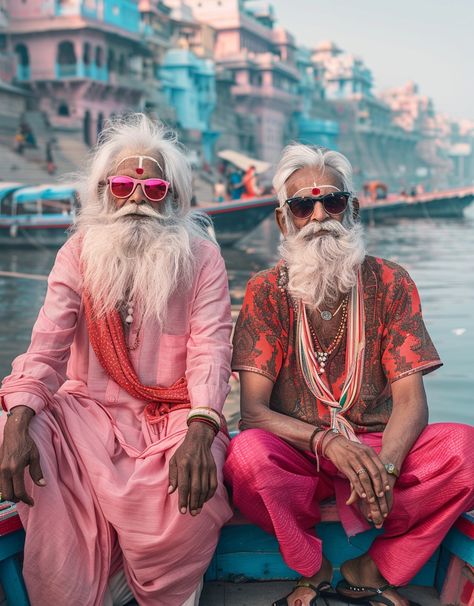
x=330, y=433
x=207, y=422
x=205, y=415
x=313, y=436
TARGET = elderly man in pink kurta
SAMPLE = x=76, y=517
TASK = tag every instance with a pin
x=116, y=405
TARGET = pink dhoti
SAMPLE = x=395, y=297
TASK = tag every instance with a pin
x=106, y=503
x=106, y=506
x=278, y=488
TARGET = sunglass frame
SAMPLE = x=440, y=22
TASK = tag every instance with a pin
x=137, y=182
x=321, y=199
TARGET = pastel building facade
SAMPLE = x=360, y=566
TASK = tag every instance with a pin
x=415, y=113
x=377, y=147
x=82, y=59
x=315, y=119
x=259, y=61
x=12, y=99
x=189, y=85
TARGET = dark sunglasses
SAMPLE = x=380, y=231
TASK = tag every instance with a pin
x=334, y=203
x=122, y=186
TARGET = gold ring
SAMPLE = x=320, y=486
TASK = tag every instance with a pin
x=361, y=471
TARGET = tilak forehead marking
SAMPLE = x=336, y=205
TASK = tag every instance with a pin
x=139, y=169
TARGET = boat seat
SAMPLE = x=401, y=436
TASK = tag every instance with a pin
x=245, y=552
x=12, y=539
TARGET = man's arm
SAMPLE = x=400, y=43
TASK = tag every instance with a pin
x=192, y=468
x=255, y=392
x=408, y=419
x=38, y=374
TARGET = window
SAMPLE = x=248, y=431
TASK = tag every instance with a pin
x=66, y=53
x=21, y=51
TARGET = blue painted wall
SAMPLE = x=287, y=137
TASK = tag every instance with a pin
x=121, y=13
x=189, y=84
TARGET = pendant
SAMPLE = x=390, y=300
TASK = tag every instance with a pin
x=326, y=315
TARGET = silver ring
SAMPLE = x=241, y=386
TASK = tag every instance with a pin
x=361, y=471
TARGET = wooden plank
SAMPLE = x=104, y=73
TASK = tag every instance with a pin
x=249, y=553
x=460, y=544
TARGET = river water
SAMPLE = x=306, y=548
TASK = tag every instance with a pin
x=438, y=253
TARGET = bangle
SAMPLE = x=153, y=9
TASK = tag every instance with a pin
x=207, y=422
x=334, y=433
x=313, y=435
x=319, y=445
x=205, y=415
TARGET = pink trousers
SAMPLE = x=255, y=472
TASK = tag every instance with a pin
x=278, y=488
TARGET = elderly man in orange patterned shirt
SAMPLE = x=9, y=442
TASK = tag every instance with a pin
x=331, y=348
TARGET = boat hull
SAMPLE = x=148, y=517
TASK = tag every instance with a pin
x=235, y=220
x=446, y=208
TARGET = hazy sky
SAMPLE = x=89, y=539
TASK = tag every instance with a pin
x=428, y=41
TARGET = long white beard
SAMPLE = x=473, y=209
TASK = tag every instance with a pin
x=321, y=268
x=133, y=258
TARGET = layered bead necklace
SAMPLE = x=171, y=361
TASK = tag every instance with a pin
x=322, y=354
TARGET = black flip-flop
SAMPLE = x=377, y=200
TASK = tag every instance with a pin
x=371, y=594
x=323, y=590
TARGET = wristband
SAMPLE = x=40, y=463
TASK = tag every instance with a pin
x=207, y=422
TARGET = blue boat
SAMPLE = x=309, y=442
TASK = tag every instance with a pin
x=40, y=216
x=247, y=554
x=37, y=216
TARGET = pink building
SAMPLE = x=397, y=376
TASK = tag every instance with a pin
x=261, y=61
x=12, y=99
x=82, y=59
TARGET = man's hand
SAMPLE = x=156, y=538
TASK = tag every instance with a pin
x=193, y=470
x=365, y=507
x=19, y=451
x=367, y=475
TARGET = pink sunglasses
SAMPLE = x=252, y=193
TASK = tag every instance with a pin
x=123, y=187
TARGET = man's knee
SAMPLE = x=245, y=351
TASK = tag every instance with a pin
x=455, y=452
x=249, y=451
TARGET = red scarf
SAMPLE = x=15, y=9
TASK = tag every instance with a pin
x=108, y=342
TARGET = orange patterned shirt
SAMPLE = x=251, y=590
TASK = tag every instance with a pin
x=397, y=344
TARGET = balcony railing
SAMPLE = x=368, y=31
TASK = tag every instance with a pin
x=66, y=71
x=79, y=70
x=123, y=14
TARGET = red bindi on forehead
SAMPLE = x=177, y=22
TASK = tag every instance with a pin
x=139, y=170
x=315, y=191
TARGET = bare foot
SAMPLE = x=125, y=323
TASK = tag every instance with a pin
x=362, y=571
x=302, y=596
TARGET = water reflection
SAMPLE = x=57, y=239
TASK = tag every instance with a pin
x=437, y=253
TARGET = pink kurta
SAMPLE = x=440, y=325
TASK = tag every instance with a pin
x=106, y=471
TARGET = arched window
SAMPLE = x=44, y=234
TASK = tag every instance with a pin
x=111, y=62
x=99, y=56
x=66, y=53
x=86, y=53
x=22, y=54
x=63, y=109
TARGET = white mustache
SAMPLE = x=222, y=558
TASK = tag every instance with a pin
x=333, y=227
x=135, y=209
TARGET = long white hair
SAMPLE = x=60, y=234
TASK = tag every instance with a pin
x=125, y=258
x=320, y=268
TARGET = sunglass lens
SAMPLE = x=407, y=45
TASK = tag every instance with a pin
x=155, y=189
x=335, y=203
x=301, y=207
x=121, y=187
